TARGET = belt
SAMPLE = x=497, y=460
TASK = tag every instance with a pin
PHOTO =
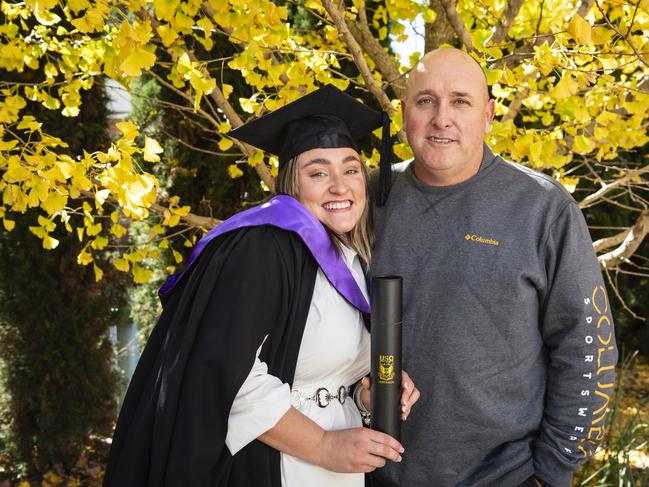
x=322, y=397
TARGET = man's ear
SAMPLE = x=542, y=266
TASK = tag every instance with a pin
x=403, y=115
x=489, y=114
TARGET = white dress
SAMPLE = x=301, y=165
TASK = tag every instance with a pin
x=335, y=351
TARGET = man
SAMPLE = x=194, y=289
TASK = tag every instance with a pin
x=507, y=329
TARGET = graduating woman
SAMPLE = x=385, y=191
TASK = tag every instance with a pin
x=245, y=380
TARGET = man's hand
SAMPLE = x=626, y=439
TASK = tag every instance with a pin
x=409, y=394
x=357, y=450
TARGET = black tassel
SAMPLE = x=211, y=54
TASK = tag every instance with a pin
x=385, y=169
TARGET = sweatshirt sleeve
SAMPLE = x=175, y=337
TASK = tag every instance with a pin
x=578, y=335
x=260, y=403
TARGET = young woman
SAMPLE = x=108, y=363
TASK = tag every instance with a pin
x=245, y=380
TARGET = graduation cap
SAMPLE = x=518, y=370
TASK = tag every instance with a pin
x=325, y=118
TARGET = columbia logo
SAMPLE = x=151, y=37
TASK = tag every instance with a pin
x=478, y=239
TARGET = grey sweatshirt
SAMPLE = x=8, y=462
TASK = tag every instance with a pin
x=507, y=328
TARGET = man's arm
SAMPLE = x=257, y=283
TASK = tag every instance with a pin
x=578, y=334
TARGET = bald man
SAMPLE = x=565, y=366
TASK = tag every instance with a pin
x=507, y=326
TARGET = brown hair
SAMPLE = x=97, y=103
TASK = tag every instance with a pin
x=360, y=238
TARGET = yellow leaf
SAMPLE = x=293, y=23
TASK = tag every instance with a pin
x=29, y=123
x=55, y=202
x=98, y=273
x=101, y=196
x=167, y=34
x=582, y=144
x=225, y=143
x=49, y=101
x=579, y=29
x=99, y=243
x=569, y=183
x=227, y=90
x=644, y=5
x=77, y=6
x=128, y=128
x=8, y=224
x=564, y=88
x=118, y=230
x=234, y=171
x=84, y=257
x=182, y=211
x=92, y=230
x=403, y=151
x=151, y=150
x=48, y=225
x=49, y=243
x=46, y=17
x=178, y=257
x=224, y=127
x=141, y=58
x=256, y=158
x=121, y=265
x=165, y=9
x=141, y=275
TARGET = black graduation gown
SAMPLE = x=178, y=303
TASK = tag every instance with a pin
x=171, y=430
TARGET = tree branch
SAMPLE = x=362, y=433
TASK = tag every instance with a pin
x=222, y=103
x=608, y=242
x=629, y=245
x=454, y=19
x=440, y=31
x=515, y=106
x=384, y=61
x=592, y=198
x=355, y=50
x=584, y=7
x=625, y=37
x=190, y=218
x=506, y=21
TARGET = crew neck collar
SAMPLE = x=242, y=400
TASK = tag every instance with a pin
x=486, y=165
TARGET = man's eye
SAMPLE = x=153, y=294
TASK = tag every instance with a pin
x=462, y=101
x=424, y=101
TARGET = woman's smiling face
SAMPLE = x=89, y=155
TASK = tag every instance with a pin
x=331, y=185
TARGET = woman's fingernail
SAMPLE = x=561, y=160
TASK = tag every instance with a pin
x=406, y=386
x=399, y=458
x=402, y=449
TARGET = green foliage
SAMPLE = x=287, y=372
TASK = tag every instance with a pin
x=55, y=350
x=56, y=359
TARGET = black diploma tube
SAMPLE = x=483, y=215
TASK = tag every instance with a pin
x=386, y=355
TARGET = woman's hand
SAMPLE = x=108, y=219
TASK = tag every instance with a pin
x=409, y=394
x=357, y=450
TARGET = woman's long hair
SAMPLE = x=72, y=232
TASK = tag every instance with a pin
x=360, y=238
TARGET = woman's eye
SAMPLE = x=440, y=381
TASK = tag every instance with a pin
x=317, y=174
x=352, y=171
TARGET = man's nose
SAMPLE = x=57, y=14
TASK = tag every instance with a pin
x=442, y=116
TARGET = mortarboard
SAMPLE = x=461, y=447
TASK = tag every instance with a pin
x=325, y=118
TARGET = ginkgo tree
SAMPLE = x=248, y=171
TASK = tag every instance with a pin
x=571, y=83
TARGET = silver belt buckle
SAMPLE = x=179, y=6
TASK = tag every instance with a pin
x=322, y=395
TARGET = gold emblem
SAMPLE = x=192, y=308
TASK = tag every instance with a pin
x=386, y=368
x=481, y=239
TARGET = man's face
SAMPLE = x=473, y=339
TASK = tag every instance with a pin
x=446, y=115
